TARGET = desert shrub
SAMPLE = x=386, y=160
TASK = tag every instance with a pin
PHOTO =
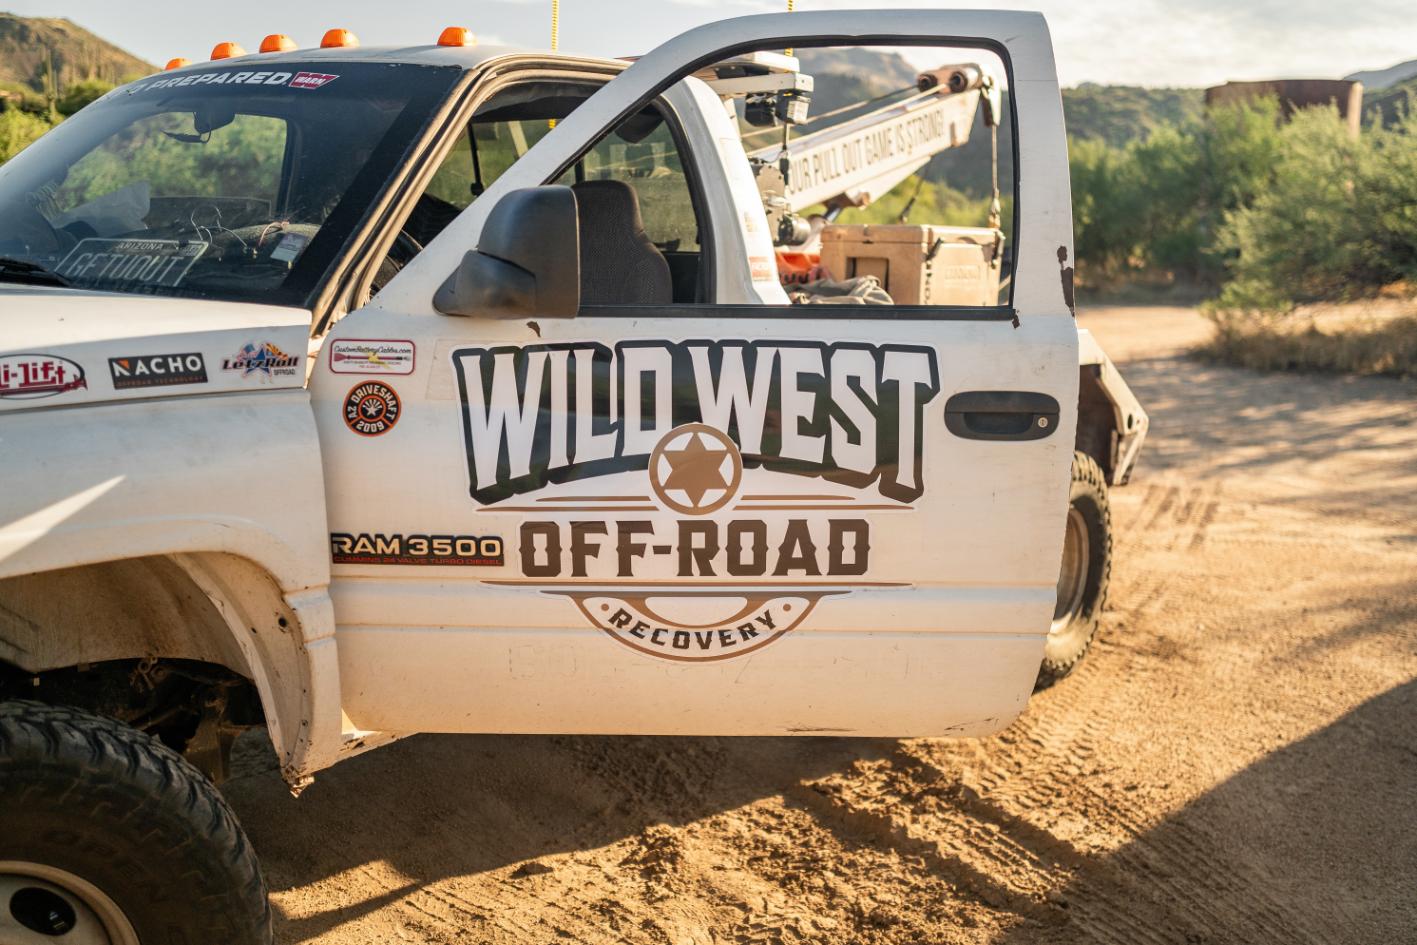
x=1387, y=199
x=17, y=130
x=1300, y=238
x=1337, y=220
x=24, y=98
x=1106, y=229
x=1387, y=348
x=80, y=94
x=1159, y=202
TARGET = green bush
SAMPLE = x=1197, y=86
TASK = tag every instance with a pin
x=1158, y=203
x=1106, y=227
x=80, y=94
x=1337, y=219
x=17, y=130
x=24, y=98
x=1267, y=214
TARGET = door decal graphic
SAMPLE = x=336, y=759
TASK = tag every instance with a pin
x=695, y=500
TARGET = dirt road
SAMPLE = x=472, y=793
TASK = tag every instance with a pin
x=1236, y=761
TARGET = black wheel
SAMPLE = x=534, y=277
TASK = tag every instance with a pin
x=107, y=837
x=1083, y=574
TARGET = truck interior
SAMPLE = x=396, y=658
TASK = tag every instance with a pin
x=641, y=239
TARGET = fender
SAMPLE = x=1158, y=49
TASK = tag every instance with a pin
x=1101, y=383
x=229, y=487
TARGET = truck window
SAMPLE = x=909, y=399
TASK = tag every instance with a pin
x=501, y=131
x=243, y=158
x=899, y=185
x=636, y=196
x=655, y=168
x=643, y=159
x=225, y=182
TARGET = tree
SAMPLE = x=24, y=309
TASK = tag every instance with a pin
x=17, y=130
x=79, y=94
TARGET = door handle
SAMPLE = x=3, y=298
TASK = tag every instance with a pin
x=1001, y=415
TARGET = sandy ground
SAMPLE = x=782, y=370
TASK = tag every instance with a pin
x=1235, y=762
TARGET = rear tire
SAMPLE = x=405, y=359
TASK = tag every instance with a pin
x=1083, y=575
x=108, y=837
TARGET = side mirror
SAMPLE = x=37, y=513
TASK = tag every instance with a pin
x=527, y=262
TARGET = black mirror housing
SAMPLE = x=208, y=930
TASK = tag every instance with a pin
x=527, y=262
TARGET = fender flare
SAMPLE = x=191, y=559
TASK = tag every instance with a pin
x=287, y=641
x=281, y=639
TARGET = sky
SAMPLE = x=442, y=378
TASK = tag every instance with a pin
x=1132, y=42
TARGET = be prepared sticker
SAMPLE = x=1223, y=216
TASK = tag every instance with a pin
x=298, y=80
x=162, y=263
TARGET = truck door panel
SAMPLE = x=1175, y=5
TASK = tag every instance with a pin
x=709, y=518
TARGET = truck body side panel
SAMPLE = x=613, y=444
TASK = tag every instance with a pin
x=228, y=485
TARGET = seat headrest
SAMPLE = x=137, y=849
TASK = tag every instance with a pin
x=609, y=200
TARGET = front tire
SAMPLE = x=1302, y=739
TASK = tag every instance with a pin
x=108, y=837
x=1083, y=574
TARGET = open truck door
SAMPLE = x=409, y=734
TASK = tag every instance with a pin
x=572, y=491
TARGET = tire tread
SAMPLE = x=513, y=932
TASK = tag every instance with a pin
x=1087, y=472
x=88, y=760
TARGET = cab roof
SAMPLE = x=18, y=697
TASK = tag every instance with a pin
x=464, y=57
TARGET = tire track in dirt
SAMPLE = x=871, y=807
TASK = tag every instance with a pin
x=1001, y=854
x=1173, y=519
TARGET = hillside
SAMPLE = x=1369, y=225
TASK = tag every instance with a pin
x=1377, y=79
x=1120, y=113
x=28, y=46
x=1390, y=104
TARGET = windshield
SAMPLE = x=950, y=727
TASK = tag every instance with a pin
x=234, y=183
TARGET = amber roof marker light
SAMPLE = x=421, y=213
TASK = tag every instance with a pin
x=227, y=50
x=337, y=38
x=277, y=42
x=176, y=63
x=457, y=36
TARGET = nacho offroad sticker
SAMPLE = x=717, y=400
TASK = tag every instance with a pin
x=371, y=356
x=371, y=409
x=30, y=376
x=157, y=370
x=162, y=263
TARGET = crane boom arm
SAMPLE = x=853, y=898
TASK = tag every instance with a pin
x=865, y=157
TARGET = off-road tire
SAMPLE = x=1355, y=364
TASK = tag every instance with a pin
x=119, y=810
x=1068, y=642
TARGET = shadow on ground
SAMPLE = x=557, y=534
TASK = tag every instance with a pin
x=435, y=806
x=1243, y=863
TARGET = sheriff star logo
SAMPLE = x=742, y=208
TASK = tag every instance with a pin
x=695, y=469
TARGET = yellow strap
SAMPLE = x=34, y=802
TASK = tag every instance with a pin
x=555, y=40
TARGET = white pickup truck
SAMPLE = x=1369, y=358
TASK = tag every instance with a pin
x=363, y=392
